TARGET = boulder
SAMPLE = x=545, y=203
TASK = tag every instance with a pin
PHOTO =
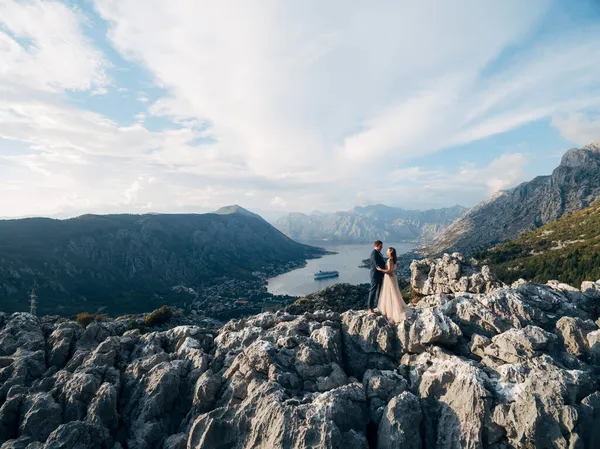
x=267, y=419
x=380, y=387
x=41, y=415
x=573, y=334
x=539, y=404
x=455, y=397
x=78, y=435
x=518, y=345
x=369, y=342
x=400, y=424
x=425, y=328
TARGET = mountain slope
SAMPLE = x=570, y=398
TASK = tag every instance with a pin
x=567, y=250
x=573, y=185
x=130, y=263
x=365, y=224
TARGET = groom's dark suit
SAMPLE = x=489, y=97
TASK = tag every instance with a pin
x=376, y=278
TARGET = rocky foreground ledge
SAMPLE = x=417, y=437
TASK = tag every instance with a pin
x=516, y=367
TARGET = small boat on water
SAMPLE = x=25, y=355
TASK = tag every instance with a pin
x=326, y=274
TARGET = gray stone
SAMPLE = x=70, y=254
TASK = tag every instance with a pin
x=401, y=422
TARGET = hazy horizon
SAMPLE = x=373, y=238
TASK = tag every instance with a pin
x=109, y=107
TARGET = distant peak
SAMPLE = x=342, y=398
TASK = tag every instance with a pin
x=578, y=157
x=235, y=209
x=595, y=146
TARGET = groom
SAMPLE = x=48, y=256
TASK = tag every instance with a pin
x=376, y=275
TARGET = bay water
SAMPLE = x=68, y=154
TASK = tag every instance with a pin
x=347, y=259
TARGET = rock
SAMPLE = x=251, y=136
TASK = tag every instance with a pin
x=427, y=327
x=40, y=416
x=518, y=345
x=103, y=408
x=177, y=441
x=400, y=424
x=205, y=391
x=450, y=274
x=589, y=422
x=526, y=377
x=380, y=387
x=478, y=344
x=78, y=435
x=61, y=343
x=369, y=341
x=266, y=419
x=9, y=417
x=455, y=398
x=22, y=332
x=22, y=443
x=573, y=334
x=538, y=411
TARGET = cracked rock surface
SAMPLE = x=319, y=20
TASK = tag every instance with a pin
x=512, y=367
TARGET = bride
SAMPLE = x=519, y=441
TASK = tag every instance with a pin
x=391, y=303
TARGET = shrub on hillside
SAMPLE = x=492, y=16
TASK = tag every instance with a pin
x=158, y=317
x=84, y=318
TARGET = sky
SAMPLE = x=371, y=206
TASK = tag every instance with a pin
x=111, y=106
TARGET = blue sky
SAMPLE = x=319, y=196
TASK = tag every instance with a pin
x=107, y=106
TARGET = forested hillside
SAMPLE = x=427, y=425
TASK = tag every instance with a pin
x=134, y=263
x=567, y=250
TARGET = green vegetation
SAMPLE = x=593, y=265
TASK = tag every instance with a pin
x=338, y=298
x=567, y=250
x=133, y=324
x=159, y=317
x=84, y=318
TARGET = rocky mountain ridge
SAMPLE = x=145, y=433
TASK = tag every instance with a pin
x=366, y=224
x=135, y=263
x=572, y=186
x=509, y=367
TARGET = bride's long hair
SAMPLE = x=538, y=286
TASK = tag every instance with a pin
x=393, y=255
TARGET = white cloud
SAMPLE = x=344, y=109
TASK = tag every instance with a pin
x=578, y=128
x=419, y=188
x=281, y=81
x=279, y=203
x=43, y=48
x=302, y=100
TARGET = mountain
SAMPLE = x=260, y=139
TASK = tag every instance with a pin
x=235, y=209
x=567, y=250
x=572, y=186
x=366, y=224
x=513, y=368
x=131, y=263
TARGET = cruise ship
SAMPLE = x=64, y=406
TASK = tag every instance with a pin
x=326, y=274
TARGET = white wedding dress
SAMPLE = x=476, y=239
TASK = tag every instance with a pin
x=391, y=303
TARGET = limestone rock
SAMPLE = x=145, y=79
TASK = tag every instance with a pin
x=518, y=345
x=427, y=327
x=41, y=415
x=450, y=274
x=573, y=333
x=400, y=424
x=455, y=399
x=380, y=387
x=369, y=341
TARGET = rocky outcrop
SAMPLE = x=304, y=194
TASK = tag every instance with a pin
x=450, y=274
x=573, y=185
x=515, y=367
